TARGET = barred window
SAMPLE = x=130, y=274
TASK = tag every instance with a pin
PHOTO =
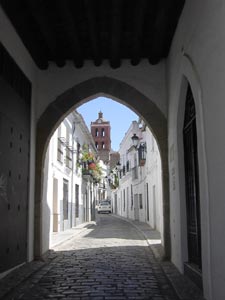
x=69, y=155
x=60, y=146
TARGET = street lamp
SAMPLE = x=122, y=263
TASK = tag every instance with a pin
x=135, y=140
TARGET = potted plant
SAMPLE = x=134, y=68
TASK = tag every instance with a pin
x=89, y=163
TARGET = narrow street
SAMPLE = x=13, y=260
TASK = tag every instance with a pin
x=109, y=260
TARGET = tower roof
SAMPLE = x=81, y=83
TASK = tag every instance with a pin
x=100, y=118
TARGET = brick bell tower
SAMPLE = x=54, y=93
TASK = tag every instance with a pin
x=100, y=130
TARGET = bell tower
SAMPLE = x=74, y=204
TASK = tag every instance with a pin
x=100, y=130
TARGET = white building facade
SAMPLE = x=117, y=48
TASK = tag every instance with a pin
x=69, y=196
x=139, y=194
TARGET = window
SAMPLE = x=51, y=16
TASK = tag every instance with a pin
x=69, y=155
x=96, y=145
x=128, y=166
x=69, y=152
x=59, y=146
x=103, y=132
x=142, y=154
x=96, y=132
x=103, y=145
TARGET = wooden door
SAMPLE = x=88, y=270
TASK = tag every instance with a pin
x=136, y=207
x=55, y=205
x=65, y=199
x=192, y=182
x=15, y=95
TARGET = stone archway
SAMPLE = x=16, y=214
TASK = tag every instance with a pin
x=74, y=97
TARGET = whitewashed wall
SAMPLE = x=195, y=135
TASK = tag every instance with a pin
x=73, y=123
x=150, y=80
x=149, y=174
x=55, y=169
x=198, y=55
x=153, y=171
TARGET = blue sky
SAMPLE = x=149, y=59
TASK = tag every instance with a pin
x=119, y=116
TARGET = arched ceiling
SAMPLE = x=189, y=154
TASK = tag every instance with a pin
x=78, y=30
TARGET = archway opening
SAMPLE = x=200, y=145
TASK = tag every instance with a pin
x=72, y=99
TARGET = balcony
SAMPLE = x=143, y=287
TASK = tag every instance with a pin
x=142, y=154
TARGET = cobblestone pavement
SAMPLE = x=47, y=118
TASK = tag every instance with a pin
x=109, y=260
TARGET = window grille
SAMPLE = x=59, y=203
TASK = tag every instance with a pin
x=69, y=155
x=60, y=150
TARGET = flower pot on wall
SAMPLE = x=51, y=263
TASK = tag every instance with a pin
x=92, y=166
x=142, y=162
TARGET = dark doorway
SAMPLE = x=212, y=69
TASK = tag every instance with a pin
x=76, y=201
x=192, y=188
x=115, y=208
x=55, y=205
x=147, y=202
x=65, y=199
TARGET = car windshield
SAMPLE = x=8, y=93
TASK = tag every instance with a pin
x=105, y=203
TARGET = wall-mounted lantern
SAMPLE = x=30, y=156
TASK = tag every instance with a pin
x=141, y=148
x=135, y=140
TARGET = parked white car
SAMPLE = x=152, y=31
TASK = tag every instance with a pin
x=104, y=207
